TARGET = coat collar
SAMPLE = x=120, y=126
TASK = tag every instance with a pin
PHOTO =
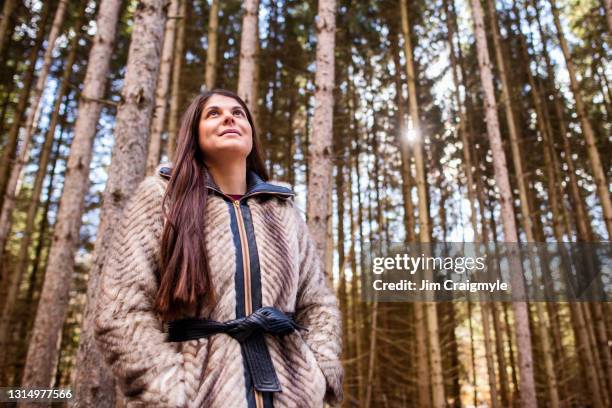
x=255, y=185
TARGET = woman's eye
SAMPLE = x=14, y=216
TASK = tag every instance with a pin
x=213, y=113
x=238, y=113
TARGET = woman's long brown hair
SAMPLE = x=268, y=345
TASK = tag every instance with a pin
x=185, y=280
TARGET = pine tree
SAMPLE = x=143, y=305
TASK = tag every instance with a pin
x=128, y=166
x=523, y=335
x=211, y=49
x=586, y=126
x=175, y=97
x=248, y=40
x=41, y=365
x=5, y=18
x=161, y=93
x=320, y=148
x=12, y=188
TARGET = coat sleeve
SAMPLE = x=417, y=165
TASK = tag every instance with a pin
x=127, y=330
x=317, y=310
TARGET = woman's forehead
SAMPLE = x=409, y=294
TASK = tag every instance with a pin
x=221, y=101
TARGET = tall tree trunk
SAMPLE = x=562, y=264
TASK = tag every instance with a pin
x=5, y=18
x=582, y=222
x=126, y=172
x=161, y=93
x=501, y=357
x=320, y=149
x=486, y=327
x=8, y=152
x=211, y=50
x=371, y=354
x=523, y=335
x=342, y=258
x=587, y=129
x=41, y=360
x=175, y=97
x=431, y=315
x=403, y=143
x=517, y=159
x=248, y=65
x=585, y=353
x=357, y=307
x=34, y=201
x=462, y=130
x=608, y=6
x=470, y=312
x=25, y=322
x=12, y=188
x=380, y=223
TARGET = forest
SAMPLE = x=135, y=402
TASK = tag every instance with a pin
x=406, y=121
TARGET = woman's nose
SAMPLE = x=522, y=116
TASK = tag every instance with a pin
x=228, y=117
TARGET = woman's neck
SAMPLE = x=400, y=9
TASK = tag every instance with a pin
x=230, y=177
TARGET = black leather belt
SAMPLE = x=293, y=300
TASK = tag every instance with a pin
x=249, y=331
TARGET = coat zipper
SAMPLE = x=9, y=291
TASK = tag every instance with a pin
x=246, y=268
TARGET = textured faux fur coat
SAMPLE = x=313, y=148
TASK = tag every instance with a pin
x=285, y=273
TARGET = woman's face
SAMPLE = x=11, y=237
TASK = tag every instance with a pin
x=225, y=132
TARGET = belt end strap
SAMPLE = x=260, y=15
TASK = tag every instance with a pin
x=260, y=364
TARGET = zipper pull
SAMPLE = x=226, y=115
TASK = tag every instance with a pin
x=236, y=203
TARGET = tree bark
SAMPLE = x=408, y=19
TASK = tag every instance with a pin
x=320, y=149
x=248, y=64
x=127, y=170
x=34, y=201
x=161, y=93
x=462, y=130
x=12, y=187
x=486, y=327
x=587, y=129
x=41, y=360
x=358, y=308
x=403, y=144
x=211, y=51
x=5, y=18
x=8, y=152
x=430, y=313
x=175, y=98
x=523, y=335
x=517, y=160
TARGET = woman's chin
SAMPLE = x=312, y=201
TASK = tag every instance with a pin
x=232, y=149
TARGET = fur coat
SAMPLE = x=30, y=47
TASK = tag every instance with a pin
x=285, y=273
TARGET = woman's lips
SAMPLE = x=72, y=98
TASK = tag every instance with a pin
x=230, y=131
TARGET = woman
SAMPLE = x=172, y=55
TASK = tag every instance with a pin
x=225, y=259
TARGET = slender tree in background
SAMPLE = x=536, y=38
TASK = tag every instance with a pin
x=11, y=142
x=176, y=79
x=429, y=309
x=320, y=148
x=34, y=201
x=127, y=170
x=608, y=6
x=248, y=45
x=41, y=361
x=9, y=149
x=586, y=127
x=161, y=93
x=517, y=161
x=5, y=18
x=12, y=188
x=211, y=50
x=523, y=335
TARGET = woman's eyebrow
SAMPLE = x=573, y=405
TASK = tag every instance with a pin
x=233, y=107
